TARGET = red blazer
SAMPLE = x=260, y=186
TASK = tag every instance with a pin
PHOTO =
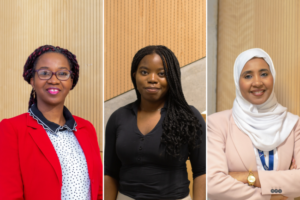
x=29, y=166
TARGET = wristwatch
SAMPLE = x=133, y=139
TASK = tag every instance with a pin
x=251, y=178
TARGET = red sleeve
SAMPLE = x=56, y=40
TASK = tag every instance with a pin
x=98, y=174
x=11, y=184
x=100, y=192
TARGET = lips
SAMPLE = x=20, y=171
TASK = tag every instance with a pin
x=258, y=92
x=152, y=89
x=53, y=91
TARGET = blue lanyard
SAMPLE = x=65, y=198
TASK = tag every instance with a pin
x=271, y=159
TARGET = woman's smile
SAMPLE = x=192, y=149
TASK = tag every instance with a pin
x=53, y=90
x=257, y=92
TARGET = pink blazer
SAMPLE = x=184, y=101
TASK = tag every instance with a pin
x=229, y=149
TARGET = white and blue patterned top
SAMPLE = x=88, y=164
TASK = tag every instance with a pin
x=75, y=177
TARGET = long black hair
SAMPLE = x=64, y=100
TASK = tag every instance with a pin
x=31, y=62
x=180, y=125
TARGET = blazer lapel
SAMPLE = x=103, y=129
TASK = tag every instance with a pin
x=43, y=142
x=243, y=146
x=83, y=139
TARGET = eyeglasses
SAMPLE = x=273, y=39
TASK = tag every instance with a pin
x=62, y=75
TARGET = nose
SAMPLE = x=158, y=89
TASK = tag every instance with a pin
x=257, y=82
x=152, y=78
x=53, y=79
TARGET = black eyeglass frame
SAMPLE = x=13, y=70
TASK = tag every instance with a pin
x=71, y=74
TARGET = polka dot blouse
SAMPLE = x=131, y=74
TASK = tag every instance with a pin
x=75, y=177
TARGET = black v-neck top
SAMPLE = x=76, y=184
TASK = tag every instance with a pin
x=136, y=161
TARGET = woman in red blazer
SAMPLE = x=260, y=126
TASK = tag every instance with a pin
x=48, y=153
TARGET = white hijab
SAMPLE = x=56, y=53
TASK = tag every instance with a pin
x=268, y=124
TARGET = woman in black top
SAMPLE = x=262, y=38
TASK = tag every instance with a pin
x=149, y=141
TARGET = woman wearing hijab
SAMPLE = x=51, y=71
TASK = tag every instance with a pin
x=251, y=146
x=48, y=153
x=148, y=142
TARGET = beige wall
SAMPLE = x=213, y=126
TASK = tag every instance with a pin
x=272, y=25
x=131, y=25
x=72, y=24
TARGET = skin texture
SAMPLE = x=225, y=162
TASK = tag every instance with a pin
x=51, y=105
x=256, y=81
x=199, y=188
x=151, y=80
x=256, y=77
x=110, y=188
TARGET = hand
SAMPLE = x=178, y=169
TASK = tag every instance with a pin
x=278, y=197
x=293, y=164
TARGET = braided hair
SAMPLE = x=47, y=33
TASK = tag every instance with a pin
x=180, y=125
x=29, y=67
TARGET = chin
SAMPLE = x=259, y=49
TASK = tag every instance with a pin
x=258, y=102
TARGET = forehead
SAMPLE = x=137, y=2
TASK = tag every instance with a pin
x=151, y=60
x=255, y=64
x=52, y=59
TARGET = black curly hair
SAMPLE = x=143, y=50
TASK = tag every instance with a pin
x=31, y=62
x=180, y=125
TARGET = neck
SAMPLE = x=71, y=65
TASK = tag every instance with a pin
x=151, y=106
x=53, y=113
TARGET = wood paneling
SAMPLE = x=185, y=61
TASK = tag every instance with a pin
x=72, y=24
x=272, y=25
x=131, y=25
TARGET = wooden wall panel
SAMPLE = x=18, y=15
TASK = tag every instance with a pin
x=272, y=25
x=72, y=24
x=133, y=24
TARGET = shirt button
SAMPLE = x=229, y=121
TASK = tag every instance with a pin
x=279, y=190
x=140, y=148
x=142, y=139
x=272, y=191
x=276, y=190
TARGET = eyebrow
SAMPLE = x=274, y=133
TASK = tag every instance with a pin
x=143, y=67
x=249, y=71
x=45, y=67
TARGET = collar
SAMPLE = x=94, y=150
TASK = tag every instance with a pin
x=135, y=106
x=70, y=124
